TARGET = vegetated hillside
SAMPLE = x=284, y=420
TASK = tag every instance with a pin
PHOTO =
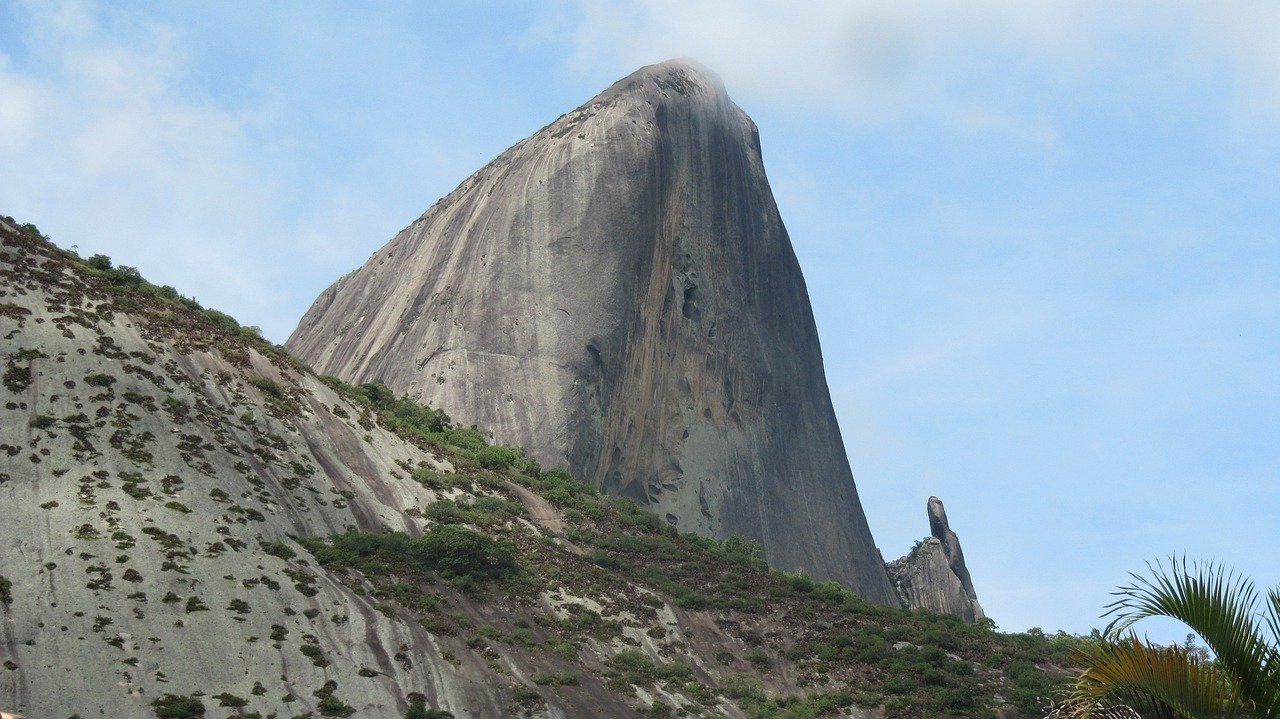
x=193, y=524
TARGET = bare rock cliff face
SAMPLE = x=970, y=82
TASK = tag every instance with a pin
x=934, y=576
x=618, y=294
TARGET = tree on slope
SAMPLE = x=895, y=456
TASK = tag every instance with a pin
x=1242, y=630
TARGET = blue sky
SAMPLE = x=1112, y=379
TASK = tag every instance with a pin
x=1040, y=238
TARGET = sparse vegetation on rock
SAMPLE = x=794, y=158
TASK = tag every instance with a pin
x=435, y=559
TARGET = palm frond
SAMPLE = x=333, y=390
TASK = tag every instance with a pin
x=1271, y=663
x=1218, y=606
x=1156, y=681
x=1273, y=614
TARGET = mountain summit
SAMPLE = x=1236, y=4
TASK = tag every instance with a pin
x=618, y=295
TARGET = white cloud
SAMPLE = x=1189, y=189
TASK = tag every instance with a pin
x=964, y=63
x=119, y=160
x=105, y=143
x=1247, y=32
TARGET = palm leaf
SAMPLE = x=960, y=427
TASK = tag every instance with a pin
x=1218, y=606
x=1157, y=682
x=1271, y=664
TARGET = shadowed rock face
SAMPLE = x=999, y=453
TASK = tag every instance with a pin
x=934, y=575
x=618, y=295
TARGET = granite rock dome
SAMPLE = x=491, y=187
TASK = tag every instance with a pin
x=618, y=294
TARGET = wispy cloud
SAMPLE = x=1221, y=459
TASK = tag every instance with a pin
x=124, y=151
x=961, y=63
x=116, y=153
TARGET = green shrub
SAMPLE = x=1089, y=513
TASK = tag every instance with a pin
x=268, y=386
x=124, y=276
x=6, y=590
x=173, y=706
x=496, y=457
x=742, y=686
x=28, y=227
x=563, y=490
x=758, y=657
x=491, y=511
x=332, y=706
x=176, y=407
x=451, y=550
x=444, y=511
x=635, y=667
x=743, y=550
x=402, y=414
x=800, y=582
x=315, y=654
x=226, y=699
x=222, y=321
x=470, y=439
x=100, y=380
x=459, y=552
x=17, y=378
x=429, y=477
x=279, y=549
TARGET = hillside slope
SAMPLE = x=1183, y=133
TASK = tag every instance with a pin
x=193, y=524
x=618, y=294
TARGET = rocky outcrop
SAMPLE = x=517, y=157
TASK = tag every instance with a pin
x=618, y=295
x=154, y=477
x=934, y=576
x=177, y=502
x=158, y=478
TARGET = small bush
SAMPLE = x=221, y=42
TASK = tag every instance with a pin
x=444, y=511
x=758, y=657
x=176, y=407
x=315, y=654
x=279, y=549
x=496, y=457
x=101, y=380
x=635, y=667
x=226, y=699
x=173, y=706
x=471, y=439
x=451, y=550
x=332, y=706
x=268, y=386
x=222, y=321
x=17, y=378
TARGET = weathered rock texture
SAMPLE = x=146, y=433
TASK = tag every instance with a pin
x=143, y=480
x=153, y=484
x=934, y=575
x=157, y=472
x=618, y=294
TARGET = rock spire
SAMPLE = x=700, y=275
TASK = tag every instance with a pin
x=934, y=575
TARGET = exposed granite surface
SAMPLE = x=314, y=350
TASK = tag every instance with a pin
x=618, y=295
x=152, y=487
x=934, y=575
